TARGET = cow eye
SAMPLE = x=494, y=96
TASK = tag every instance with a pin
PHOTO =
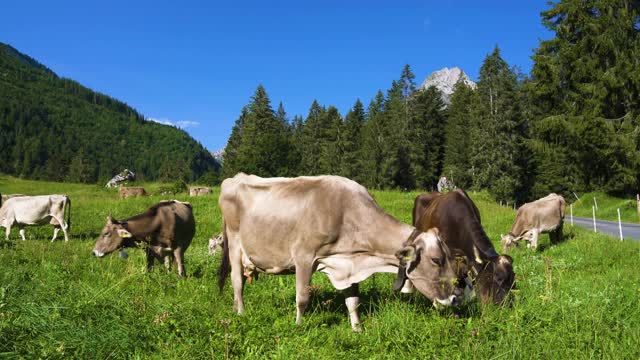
x=436, y=261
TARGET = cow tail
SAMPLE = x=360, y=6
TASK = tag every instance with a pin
x=68, y=200
x=225, y=265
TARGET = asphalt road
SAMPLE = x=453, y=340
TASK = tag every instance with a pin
x=629, y=231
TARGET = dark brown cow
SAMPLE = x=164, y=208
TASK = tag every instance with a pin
x=131, y=191
x=458, y=219
x=165, y=229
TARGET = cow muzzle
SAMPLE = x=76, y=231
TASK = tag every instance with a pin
x=453, y=300
x=97, y=253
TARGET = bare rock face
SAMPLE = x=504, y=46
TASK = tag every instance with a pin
x=445, y=79
x=125, y=175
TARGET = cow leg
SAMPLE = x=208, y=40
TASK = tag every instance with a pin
x=352, y=301
x=7, y=231
x=168, y=259
x=150, y=257
x=534, y=239
x=55, y=233
x=22, y=234
x=178, y=254
x=237, y=278
x=303, y=282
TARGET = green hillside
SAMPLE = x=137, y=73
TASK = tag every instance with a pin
x=53, y=128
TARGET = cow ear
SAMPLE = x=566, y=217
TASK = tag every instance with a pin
x=124, y=233
x=407, y=254
x=505, y=259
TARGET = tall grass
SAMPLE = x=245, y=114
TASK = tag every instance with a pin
x=578, y=299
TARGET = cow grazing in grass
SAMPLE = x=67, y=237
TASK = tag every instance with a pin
x=328, y=224
x=131, y=191
x=165, y=230
x=22, y=210
x=545, y=215
x=477, y=263
x=199, y=190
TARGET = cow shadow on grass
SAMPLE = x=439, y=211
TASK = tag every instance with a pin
x=7, y=244
x=331, y=305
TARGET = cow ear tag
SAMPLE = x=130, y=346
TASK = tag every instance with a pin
x=124, y=233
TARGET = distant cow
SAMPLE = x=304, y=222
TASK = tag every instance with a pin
x=215, y=244
x=477, y=263
x=36, y=210
x=545, y=215
x=131, y=191
x=199, y=190
x=165, y=230
x=328, y=224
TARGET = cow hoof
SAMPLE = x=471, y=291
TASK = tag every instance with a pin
x=356, y=328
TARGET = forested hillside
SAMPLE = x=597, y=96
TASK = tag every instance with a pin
x=572, y=126
x=56, y=129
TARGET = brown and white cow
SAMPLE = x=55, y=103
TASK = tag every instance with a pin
x=20, y=210
x=165, y=230
x=199, y=190
x=545, y=215
x=328, y=224
x=477, y=263
x=131, y=191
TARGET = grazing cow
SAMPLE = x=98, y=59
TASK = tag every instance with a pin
x=329, y=224
x=477, y=263
x=165, y=230
x=24, y=210
x=131, y=191
x=545, y=215
x=215, y=244
x=199, y=190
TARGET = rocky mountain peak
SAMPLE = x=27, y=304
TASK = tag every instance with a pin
x=445, y=79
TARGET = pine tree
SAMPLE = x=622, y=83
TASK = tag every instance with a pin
x=331, y=156
x=373, y=143
x=230, y=165
x=352, y=162
x=427, y=127
x=498, y=155
x=265, y=143
x=585, y=74
x=457, y=165
x=314, y=139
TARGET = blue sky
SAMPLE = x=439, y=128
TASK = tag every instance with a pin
x=196, y=63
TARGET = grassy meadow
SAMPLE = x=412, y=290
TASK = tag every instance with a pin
x=576, y=300
x=607, y=207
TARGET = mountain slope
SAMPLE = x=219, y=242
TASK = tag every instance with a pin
x=445, y=79
x=56, y=129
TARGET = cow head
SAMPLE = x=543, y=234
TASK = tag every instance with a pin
x=425, y=261
x=114, y=236
x=508, y=241
x=494, y=285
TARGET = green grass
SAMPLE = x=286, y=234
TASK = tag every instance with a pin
x=575, y=300
x=607, y=207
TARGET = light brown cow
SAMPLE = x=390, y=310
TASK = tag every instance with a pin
x=545, y=215
x=131, y=191
x=329, y=224
x=25, y=210
x=199, y=190
x=165, y=230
